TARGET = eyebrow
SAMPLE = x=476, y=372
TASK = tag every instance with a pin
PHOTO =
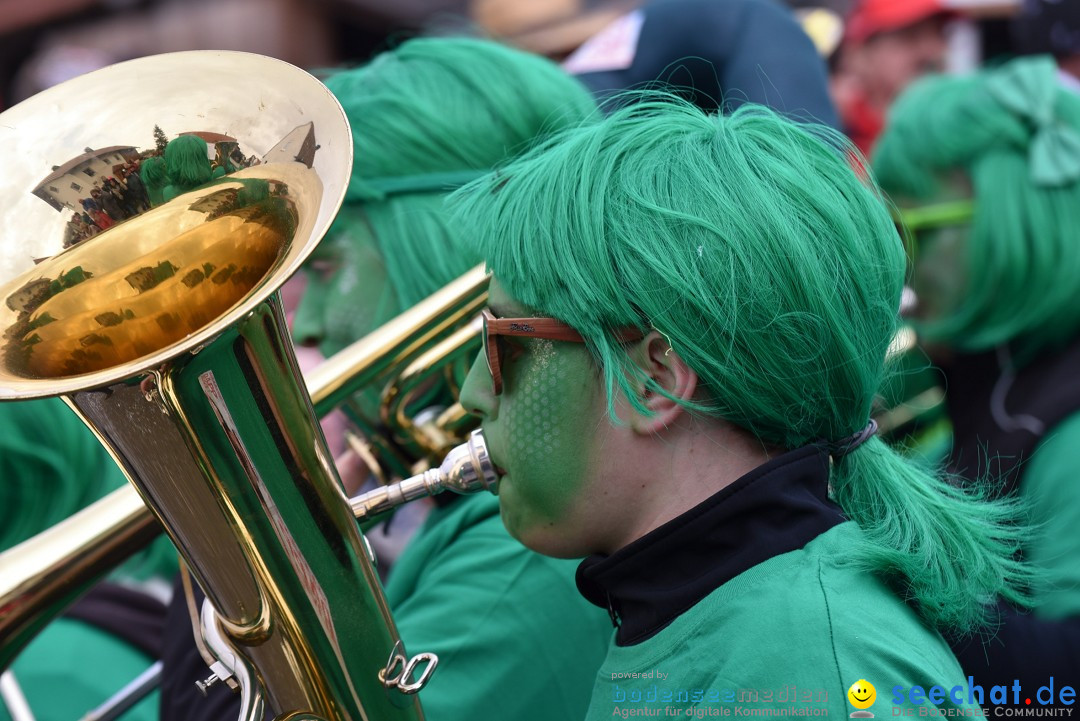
x=502, y=311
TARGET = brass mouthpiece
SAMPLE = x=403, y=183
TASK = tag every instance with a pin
x=466, y=469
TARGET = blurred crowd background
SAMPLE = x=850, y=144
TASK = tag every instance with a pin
x=43, y=43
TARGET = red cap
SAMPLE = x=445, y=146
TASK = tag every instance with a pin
x=870, y=17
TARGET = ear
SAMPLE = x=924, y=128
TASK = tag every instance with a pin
x=666, y=369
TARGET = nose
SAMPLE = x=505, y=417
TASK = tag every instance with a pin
x=477, y=392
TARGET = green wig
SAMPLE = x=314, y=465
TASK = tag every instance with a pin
x=427, y=117
x=154, y=177
x=1014, y=133
x=187, y=163
x=775, y=272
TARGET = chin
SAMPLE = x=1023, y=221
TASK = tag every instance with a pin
x=544, y=538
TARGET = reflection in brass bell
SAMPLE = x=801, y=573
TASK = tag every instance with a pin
x=132, y=225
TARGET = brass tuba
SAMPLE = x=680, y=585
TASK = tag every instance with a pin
x=165, y=334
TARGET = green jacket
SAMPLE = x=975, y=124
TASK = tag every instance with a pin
x=790, y=635
x=72, y=667
x=1050, y=484
x=514, y=638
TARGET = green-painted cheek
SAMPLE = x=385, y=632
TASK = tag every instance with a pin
x=550, y=414
x=357, y=298
x=940, y=278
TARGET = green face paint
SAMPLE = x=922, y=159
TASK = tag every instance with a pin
x=347, y=293
x=543, y=432
x=939, y=271
x=942, y=227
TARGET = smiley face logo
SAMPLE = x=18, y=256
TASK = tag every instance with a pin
x=862, y=695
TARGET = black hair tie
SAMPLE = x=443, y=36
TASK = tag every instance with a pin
x=844, y=446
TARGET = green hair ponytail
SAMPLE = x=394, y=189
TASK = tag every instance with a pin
x=776, y=274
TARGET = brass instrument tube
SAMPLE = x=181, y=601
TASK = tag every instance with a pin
x=423, y=441
x=165, y=334
x=375, y=357
x=43, y=575
x=111, y=530
x=466, y=469
x=245, y=487
x=382, y=500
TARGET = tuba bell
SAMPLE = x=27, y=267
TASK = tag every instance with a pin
x=165, y=334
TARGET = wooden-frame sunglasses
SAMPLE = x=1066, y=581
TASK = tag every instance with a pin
x=547, y=328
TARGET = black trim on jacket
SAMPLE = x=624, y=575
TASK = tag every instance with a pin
x=776, y=508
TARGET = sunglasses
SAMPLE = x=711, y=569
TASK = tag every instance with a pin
x=913, y=221
x=547, y=328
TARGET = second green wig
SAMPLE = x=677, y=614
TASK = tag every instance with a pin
x=187, y=162
x=1012, y=134
x=426, y=117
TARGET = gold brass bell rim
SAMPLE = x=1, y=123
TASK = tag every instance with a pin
x=266, y=108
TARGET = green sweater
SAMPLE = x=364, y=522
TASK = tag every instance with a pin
x=790, y=635
x=514, y=638
x=72, y=667
x=1051, y=485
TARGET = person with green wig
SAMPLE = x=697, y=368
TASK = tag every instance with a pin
x=688, y=323
x=513, y=637
x=987, y=171
x=426, y=117
x=51, y=466
x=187, y=166
x=154, y=177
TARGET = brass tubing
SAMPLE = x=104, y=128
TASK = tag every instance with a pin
x=375, y=357
x=164, y=332
x=397, y=396
x=42, y=576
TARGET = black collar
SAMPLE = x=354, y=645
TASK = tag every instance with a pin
x=776, y=508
